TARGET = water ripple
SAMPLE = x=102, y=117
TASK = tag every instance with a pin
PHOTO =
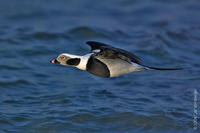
x=16, y=82
x=44, y=36
x=86, y=32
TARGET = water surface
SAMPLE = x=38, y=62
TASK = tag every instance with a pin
x=38, y=97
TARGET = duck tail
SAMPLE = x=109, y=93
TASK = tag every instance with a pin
x=161, y=69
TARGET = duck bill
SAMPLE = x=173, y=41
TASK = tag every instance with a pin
x=54, y=61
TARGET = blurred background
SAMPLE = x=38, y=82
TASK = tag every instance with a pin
x=39, y=97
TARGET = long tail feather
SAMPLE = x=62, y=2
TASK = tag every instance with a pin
x=155, y=68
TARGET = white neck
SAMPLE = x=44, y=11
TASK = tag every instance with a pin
x=84, y=60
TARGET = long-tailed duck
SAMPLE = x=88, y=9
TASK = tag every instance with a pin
x=105, y=61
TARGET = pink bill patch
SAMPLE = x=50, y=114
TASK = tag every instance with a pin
x=53, y=61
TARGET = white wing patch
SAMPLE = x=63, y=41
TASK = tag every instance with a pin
x=96, y=51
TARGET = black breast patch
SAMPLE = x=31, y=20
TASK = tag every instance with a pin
x=97, y=67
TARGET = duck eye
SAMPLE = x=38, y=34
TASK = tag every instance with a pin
x=62, y=57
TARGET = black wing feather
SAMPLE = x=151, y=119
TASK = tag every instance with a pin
x=102, y=46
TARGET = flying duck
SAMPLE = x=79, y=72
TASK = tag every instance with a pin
x=105, y=61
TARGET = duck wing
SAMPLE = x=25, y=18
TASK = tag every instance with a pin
x=107, y=51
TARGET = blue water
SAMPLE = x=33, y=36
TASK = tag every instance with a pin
x=39, y=97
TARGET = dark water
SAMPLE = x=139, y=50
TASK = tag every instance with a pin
x=39, y=97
